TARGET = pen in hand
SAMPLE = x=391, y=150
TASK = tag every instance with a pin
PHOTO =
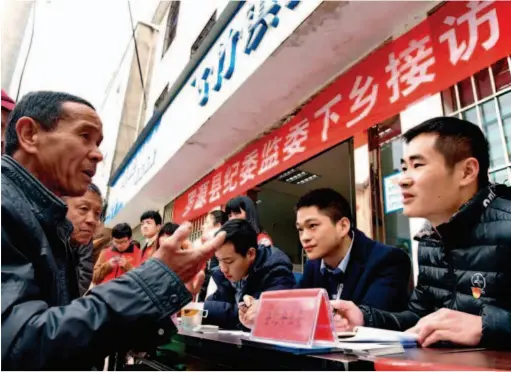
x=248, y=301
x=338, y=297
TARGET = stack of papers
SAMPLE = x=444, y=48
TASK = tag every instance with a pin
x=367, y=334
x=373, y=341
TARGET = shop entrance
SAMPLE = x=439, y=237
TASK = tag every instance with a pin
x=277, y=198
x=390, y=225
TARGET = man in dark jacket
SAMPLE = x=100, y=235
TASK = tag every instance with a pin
x=52, y=151
x=463, y=295
x=244, y=269
x=342, y=260
x=84, y=212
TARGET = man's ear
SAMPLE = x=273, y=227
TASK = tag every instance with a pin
x=343, y=226
x=469, y=170
x=251, y=253
x=28, y=132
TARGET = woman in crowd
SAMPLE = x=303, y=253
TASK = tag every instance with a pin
x=214, y=221
x=244, y=208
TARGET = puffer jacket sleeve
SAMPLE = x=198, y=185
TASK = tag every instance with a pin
x=132, y=311
x=496, y=327
x=418, y=306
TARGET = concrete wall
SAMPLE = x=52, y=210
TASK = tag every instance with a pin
x=193, y=16
x=15, y=17
x=110, y=113
x=132, y=118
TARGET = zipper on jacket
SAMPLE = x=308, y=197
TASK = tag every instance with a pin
x=68, y=260
x=453, y=274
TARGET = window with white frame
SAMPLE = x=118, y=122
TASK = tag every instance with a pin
x=485, y=99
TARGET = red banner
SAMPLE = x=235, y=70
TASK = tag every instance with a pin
x=455, y=42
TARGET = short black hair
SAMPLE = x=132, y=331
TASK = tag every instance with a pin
x=328, y=201
x=241, y=234
x=245, y=203
x=153, y=215
x=219, y=216
x=168, y=229
x=121, y=230
x=457, y=140
x=45, y=107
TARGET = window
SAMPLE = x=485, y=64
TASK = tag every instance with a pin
x=485, y=99
x=204, y=33
x=170, y=31
x=159, y=101
x=197, y=227
x=168, y=212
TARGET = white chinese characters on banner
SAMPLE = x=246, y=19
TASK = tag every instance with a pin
x=248, y=167
x=191, y=202
x=328, y=114
x=202, y=196
x=362, y=98
x=462, y=51
x=298, y=134
x=230, y=182
x=411, y=68
x=270, y=155
x=216, y=188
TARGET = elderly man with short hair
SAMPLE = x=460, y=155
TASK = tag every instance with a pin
x=52, y=150
x=84, y=212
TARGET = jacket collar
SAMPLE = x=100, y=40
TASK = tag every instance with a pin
x=344, y=262
x=48, y=208
x=469, y=214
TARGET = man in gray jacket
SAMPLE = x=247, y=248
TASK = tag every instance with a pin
x=52, y=151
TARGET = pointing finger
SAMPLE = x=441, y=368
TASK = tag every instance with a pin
x=207, y=250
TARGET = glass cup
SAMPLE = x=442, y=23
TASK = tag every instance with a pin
x=191, y=317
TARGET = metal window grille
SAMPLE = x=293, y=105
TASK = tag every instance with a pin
x=485, y=99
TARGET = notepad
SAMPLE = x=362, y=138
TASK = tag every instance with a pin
x=368, y=335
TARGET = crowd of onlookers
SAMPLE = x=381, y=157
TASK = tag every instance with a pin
x=54, y=245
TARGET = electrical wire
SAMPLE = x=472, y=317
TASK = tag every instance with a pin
x=28, y=53
x=136, y=52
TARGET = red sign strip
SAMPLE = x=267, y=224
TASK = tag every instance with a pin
x=455, y=42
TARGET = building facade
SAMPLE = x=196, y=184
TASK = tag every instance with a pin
x=272, y=99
